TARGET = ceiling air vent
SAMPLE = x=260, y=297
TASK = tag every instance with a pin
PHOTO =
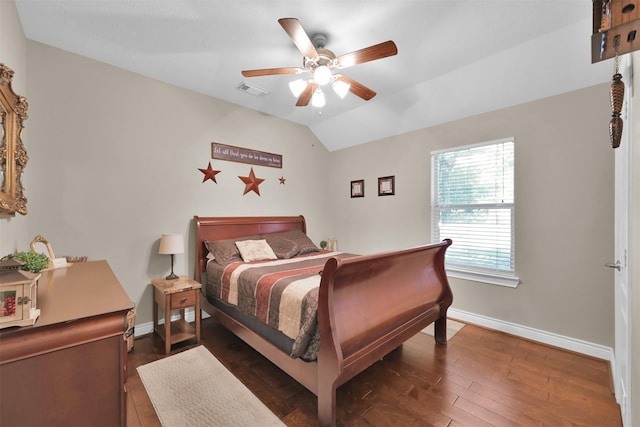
x=251, y=89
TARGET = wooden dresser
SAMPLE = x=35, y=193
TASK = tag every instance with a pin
x=69, y=368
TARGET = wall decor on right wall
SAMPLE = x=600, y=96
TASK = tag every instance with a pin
x=357, y=188
x=387, y=186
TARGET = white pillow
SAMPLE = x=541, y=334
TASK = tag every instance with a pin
x=255, y=250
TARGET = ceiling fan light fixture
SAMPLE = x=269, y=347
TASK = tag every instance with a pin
x=321, y=63
x=322, y=75
x=317, y=100
x=297, y=87
x=341, y=88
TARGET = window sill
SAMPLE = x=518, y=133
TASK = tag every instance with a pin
x=492, y=279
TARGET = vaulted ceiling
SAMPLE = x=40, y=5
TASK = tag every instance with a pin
x=455, y=58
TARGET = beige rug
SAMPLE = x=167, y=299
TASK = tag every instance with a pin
x=193, y=388
x=452, y=328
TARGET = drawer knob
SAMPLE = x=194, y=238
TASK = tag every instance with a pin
x=183, y=299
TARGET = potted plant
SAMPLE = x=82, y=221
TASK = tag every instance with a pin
x=32, y=261
x=323, y=244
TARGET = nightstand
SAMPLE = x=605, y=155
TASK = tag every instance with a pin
x=177, y=294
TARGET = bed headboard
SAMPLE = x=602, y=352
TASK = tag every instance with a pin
x=219, y=228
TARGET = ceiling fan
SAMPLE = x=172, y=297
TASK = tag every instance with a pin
x=321, y=64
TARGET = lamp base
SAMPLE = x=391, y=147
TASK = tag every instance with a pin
x=171, y=276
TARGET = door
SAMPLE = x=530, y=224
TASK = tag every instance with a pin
x=622, y=367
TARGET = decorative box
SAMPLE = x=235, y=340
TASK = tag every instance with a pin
x=18, y=295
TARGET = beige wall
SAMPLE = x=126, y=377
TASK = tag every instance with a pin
x=13, y=53
x=13, y=45
x=635, y=244
x=115, y=159
x=564, y=209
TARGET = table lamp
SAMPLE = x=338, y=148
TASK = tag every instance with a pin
x=171, y=244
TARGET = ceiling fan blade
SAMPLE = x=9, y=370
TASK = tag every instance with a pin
x=307, y=93
x=271, y=71
x=371, y=53
x=356, y=88
x=300, y=38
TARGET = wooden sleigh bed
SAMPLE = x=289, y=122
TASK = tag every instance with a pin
x=366, y=305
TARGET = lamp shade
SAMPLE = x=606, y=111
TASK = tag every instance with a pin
x=171, y=244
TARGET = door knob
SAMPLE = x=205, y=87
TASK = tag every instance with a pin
x=617, y=265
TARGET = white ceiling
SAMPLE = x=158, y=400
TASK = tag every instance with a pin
x=455, y=58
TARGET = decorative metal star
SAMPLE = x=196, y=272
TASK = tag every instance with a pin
x=251, y=183
x=282, y=180
x=209, y=173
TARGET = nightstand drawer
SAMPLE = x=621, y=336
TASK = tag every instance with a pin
x=183, y=299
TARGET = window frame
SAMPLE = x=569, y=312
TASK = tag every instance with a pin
x=489, y=275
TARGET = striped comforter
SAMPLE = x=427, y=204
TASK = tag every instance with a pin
x=281, y=293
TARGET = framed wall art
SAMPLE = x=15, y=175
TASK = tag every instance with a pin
x=357, y=188
x=387, y=186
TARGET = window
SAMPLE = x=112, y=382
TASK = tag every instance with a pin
x=472, y=204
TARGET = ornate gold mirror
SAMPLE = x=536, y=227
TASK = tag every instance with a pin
x=13, y=156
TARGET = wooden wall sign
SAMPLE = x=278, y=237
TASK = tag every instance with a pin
x=245, y=155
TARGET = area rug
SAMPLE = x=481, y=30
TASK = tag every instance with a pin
x=452, y=328
x=193, y=388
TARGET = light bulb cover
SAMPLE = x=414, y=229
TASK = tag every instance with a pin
x=341, y=88
x=317, y=100
x=322, y=75
x=297, y=87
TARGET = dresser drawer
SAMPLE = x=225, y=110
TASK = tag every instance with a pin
x=183, y=299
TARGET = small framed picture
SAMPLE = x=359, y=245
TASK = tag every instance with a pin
x=387, y=186
x=357, y=188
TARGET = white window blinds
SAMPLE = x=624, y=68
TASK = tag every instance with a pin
x=473, y=204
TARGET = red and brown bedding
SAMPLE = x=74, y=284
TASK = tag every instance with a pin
x=280, y=291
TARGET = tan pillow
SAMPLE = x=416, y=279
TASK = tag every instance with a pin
x=255, y=250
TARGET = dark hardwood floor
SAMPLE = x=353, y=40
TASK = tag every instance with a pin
x=482, y=378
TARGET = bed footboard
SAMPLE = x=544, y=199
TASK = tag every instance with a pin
x=369, y=305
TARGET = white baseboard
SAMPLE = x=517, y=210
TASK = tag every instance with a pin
x=144, y=329
x=550, y=338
